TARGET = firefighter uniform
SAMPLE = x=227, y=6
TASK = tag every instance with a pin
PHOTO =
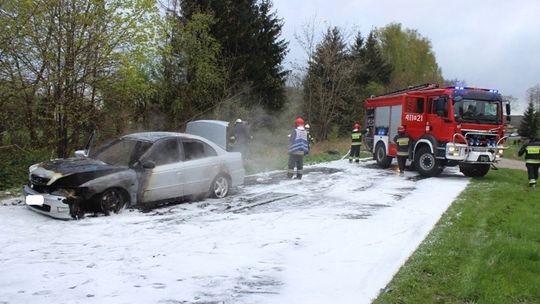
x=298, y=147
x=403, y=142
x=356, y=142
x=532, y=160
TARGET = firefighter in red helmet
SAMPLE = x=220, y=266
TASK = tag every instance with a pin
x=403, y=142
x=356, y=143
x=298, y=147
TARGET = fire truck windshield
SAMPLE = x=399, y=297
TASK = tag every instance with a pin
x=477, y=111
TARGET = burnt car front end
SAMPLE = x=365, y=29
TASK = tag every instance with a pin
x=44, y=196
x=69, y=188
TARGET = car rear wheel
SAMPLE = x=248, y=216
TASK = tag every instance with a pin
x=220, y=186
x=112, y=200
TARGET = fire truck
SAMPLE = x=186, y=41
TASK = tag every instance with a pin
x=451, y=126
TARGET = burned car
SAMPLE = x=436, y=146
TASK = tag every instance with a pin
x=136, y=170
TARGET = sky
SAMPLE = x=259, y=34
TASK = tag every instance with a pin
x=489, y=44
x=336, y=236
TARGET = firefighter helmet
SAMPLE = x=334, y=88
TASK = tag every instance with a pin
x=356, y=126
x=401, y=129
x=238, y=121
x=307, y=126
x=299, y=121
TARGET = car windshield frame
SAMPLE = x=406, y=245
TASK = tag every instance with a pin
x=477, y=111
x=121, y=152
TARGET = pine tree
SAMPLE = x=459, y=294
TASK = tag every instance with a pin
x=251, y=50
x=328, y=84
x=529, y=124
x=370, y=65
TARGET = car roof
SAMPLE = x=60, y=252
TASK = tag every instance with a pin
x=155, y=136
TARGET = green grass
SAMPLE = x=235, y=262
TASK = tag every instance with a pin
x=512, y=152
x=485, y=248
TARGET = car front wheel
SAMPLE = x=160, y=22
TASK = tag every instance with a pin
x=220, y=187
x=111, y=200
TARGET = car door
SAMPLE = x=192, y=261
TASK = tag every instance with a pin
x=164, y=180
x=201, y=166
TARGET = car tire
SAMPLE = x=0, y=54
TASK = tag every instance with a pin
x=383, y=161
x=220, y=187
x=112, y=200
x=426, y=163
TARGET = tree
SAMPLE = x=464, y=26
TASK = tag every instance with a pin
x=533, y=95
x=529, y=124
x=251, y=48
x=193, y=75
x=328, y=83
x=60, y=58
x=411, y=56
x=369, y=63
x=371, y=72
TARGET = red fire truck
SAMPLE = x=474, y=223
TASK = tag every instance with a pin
x=452, y=126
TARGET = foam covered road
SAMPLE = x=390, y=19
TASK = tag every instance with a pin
x=336, y=236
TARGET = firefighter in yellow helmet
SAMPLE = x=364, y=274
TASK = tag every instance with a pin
x=403, y=142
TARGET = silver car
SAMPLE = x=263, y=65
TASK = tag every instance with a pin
x=136, y=170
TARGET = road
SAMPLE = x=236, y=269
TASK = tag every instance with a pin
x=336, y=236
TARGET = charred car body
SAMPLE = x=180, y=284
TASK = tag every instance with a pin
x=136, y=170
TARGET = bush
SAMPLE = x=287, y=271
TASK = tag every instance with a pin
x=15, y=162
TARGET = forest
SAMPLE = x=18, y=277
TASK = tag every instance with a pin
x=71, y=67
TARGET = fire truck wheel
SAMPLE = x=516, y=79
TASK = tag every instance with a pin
x=383, y=161
x=471, y=170
x=426, y=163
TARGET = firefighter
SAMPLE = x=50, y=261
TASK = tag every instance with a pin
x=403, y=142
x=356, y=142
x=532, y=159
x=310, y=138
x=298, y=147
x=241, y=138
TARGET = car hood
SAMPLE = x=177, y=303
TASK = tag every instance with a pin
x=80, y=169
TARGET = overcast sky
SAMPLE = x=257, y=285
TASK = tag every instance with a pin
x=491, y=44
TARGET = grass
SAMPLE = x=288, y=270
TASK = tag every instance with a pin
x=485, y=248
x=512, y=151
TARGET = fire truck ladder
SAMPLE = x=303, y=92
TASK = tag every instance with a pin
x=425, y=86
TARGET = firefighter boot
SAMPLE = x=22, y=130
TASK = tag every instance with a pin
x=299, y=176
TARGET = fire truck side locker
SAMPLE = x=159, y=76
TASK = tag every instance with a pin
x=387, y=120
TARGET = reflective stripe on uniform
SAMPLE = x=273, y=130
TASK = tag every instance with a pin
x=533, y=150
x=356, y=138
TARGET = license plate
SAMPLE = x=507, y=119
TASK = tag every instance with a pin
x=36, y=200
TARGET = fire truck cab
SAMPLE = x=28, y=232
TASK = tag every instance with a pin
x=452, y=126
